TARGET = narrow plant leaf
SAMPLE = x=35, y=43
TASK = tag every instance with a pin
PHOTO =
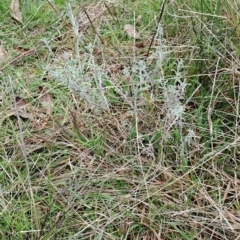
x=25, y=110
x=46, y=100
x=22, y=109
x=24, y=114
x=21, y=103
x=131, y=31
x=138, y=20
x=20, y=112
x=3, y=54
x=15, y=11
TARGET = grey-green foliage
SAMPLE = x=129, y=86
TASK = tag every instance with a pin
x=174, y=95
x=85, y=77
x=82, y=76
x=173, y=92
x=79, y=71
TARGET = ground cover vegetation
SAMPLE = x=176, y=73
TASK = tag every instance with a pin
x=119, y=119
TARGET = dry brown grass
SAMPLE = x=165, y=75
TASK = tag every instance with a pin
x=135, y=169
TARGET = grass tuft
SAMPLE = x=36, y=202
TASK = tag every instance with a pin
x=142, y=138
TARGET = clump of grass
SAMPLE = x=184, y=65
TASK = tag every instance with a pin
x=137, y=147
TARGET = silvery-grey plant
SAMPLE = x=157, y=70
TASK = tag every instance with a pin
x=174, y=95
x=86, y=78
x=82, y=75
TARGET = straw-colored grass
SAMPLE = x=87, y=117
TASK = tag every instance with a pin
x=104, y=136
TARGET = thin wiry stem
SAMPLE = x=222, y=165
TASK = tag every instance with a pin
x=155, y=31
x=25, y=155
